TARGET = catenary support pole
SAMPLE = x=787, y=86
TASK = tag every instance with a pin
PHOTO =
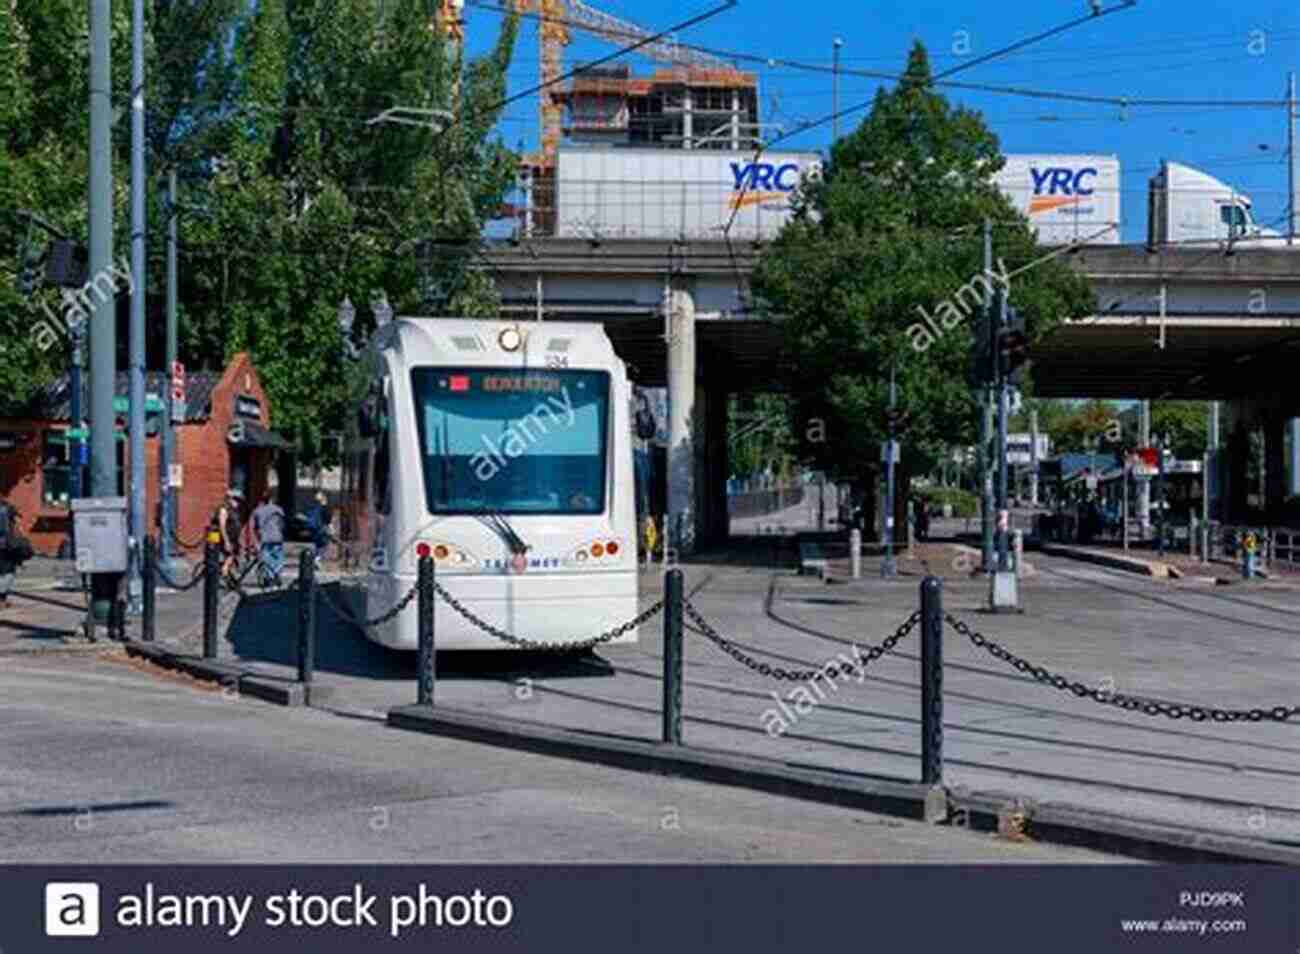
x=1001, y=390
x=982, y=454
x=167, y=433
x=103, y=313
x=136, y=378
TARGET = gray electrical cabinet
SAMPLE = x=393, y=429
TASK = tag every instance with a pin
x=100, y=526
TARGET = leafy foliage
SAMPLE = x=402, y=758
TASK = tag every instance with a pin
x=290, y=199
x=890, y=232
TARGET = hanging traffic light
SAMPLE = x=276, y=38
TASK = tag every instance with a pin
x=982, y=370
x=1013, y=346
x=30, y=261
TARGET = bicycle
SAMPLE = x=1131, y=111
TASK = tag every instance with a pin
x=250, y=561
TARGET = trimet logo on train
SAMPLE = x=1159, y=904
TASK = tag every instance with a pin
x=1057, y=187
x=534, y=563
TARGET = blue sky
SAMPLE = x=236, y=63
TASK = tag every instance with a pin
x=1164, y=49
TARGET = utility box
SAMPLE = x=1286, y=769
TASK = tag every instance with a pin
x=100, y=527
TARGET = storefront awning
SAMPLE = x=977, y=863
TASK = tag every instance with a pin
x=252, y=434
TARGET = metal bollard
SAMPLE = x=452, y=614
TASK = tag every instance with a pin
x=426, y=607
x=306, y=617
x=149, y=618
x=117, y=619
x=211, y=574
x=672, y=710
x=855, y=552
x=1018, y=550
x=932, y=681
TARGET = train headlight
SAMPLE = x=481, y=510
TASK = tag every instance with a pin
x=510, y=339
x=422, y=550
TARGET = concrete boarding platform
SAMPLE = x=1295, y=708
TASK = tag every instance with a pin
x=1157, y=569
x=1005, y=731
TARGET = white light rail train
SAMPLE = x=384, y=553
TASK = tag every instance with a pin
x=504, y=451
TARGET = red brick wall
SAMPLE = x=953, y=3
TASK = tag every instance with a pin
x=207, y=456
x=201, y=449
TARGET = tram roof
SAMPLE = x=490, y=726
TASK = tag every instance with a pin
x=472, y=341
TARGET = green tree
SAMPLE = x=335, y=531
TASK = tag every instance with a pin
x=1182, y=425
x=310, y=203
x=1092, y=426
x=291, y=199
x=891, y=232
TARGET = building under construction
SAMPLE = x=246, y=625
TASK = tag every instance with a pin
x=697, y=101
x=675, y=108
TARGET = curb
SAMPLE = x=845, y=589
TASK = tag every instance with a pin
x=1152, y=568
x=981, y=811
x=282, y=692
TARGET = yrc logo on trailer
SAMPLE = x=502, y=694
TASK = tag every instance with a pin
x=1056, y=187
x=1067, y=198
x=759, y=183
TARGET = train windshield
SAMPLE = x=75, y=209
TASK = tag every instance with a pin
x=511, y=441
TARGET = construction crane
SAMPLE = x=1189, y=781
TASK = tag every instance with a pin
x=555, y=19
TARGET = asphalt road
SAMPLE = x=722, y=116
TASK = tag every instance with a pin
x=105, y=761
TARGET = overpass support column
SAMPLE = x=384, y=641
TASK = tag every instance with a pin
x=1274, y=467
x=680, y=305
x=1293, y=458
x=1237, y=470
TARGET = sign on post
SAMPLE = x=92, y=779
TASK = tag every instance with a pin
x=178, y=392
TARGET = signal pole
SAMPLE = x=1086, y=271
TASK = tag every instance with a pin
x=1292, y=184
x=982, y=457
x=888, y=568
x=1003, y=372
x=835, y=92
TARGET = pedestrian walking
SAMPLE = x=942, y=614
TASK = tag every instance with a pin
x=268, y=530
x=318, y=524
x=226, y=520
x=15, y=550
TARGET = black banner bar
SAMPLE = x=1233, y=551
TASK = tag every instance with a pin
x=624, y=909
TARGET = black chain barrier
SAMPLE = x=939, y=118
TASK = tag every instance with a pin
x=833, y=670
x=195, y=578
x=1152, y=707
x=186, y=545
x=502, y=635
x=347, y=617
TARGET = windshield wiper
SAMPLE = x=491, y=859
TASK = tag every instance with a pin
x=494, y=519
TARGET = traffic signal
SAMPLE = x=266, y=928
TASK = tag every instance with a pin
x=982, y=371
x=1013, y=345
x=67, y=264
x=30, y=260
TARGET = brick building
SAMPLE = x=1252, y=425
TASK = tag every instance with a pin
x=223, y=440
